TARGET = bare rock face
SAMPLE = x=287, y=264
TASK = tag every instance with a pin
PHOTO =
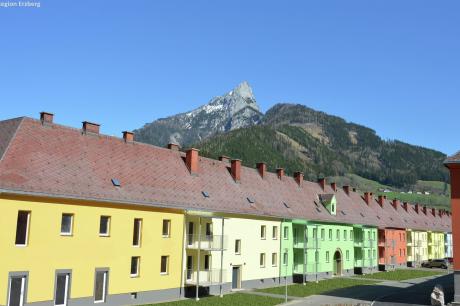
x=236, y=109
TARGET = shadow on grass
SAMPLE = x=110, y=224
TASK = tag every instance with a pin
x=418, y=294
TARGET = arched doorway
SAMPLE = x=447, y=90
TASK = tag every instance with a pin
x=338, y=263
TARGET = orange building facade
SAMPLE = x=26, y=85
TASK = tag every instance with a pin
x=392, y=248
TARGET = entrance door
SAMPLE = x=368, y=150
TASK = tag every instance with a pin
x=337, y=263
x=190, y=233
x=16, y=291
x=189, y=267
x=236, y=278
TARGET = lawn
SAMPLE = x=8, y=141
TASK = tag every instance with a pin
x=239, y=299
x=400, y=274
x=318, y=288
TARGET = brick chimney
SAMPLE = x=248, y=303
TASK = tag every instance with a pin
x=173, y=146
x=262, y=168
x=128, y=136
x=346, y=188
x=367, y=197
x=236, y=169
x=334, y=186
x=191, y=160
x=405, y=205
x=90, y=127
x=280, y=173
x=322, y=183
x=395, y=203
x=46, y=117
x=441, y=212
x=424, y=209
x=224, y=158
x=298, y=176
x=381, y=200
x=417, y=208
x=433, y=212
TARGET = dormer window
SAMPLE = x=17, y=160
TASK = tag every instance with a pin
x=329, y=202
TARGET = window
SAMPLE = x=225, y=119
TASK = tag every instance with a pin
x=16, y=290
x=368, y=253
x=61, y=293
x=207, y=262
x=400, y=252
x=338, y=235
x=135, y=266
x=344, y=234
x=373, y=254
x=208, y=229
x=274, y=259
x=351, y=235
x=286, y=232
x=22, y=228
x=165, y=262
x=137, y=232
x=314, y=233
x=262, y=260
x=66, y=224
x=322, y=234
x=100, y=286
x=347, y=255
x=237, y=246
x=275, y=232
x=330, y=234
x=104, y=226
x=166, y=231
x=327, y=256
x=285, y=258
x=373, y=236
x=263, y=232
x=316, y=256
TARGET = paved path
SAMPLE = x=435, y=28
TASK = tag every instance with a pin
x=385, y=293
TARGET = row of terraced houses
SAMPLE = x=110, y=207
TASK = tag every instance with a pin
x=88, y=218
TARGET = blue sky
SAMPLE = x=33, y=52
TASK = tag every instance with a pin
x=391, y=65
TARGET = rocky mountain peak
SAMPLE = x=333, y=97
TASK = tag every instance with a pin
x=233, y=110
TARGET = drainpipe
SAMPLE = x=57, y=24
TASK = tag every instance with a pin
x=305, y=241
x=221, y=259
x=316, y=253
x=197, y=298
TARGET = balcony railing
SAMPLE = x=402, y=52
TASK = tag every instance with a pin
x=311, y=243
x=207, y=277
x=311, y=268
x=208, y=242
x=365, y=263
x=364, y=243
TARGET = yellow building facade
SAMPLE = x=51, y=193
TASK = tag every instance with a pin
x=417, y=246
x=62, y=255
x=436, y=245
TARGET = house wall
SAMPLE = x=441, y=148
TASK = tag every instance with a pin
x=248, y=231
x=417, y=246
x=365, y=248
x=85, y=251
x=436, y=245
x=392, y=247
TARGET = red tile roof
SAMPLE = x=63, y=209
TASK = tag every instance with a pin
x=58, y=161
x=454, y=159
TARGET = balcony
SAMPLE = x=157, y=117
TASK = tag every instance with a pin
x=364, y=243
x=365, y=263
x=310, y=244
x=208, y=242
x=311, y=268
x=207, y=277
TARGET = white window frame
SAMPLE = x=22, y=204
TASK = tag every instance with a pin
x=167, y=264
x=104, y=287
x=71, y=224
x=168, y=235
x=262, y=260
x=138, y=259
x=274, y=259
x=286, y=232
x=275, y=232
x=26, y=240
x=139, y=232
x=263, y=232
x=66, y=291
x=238, y=243
x=109, y=219
x=23, y=289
